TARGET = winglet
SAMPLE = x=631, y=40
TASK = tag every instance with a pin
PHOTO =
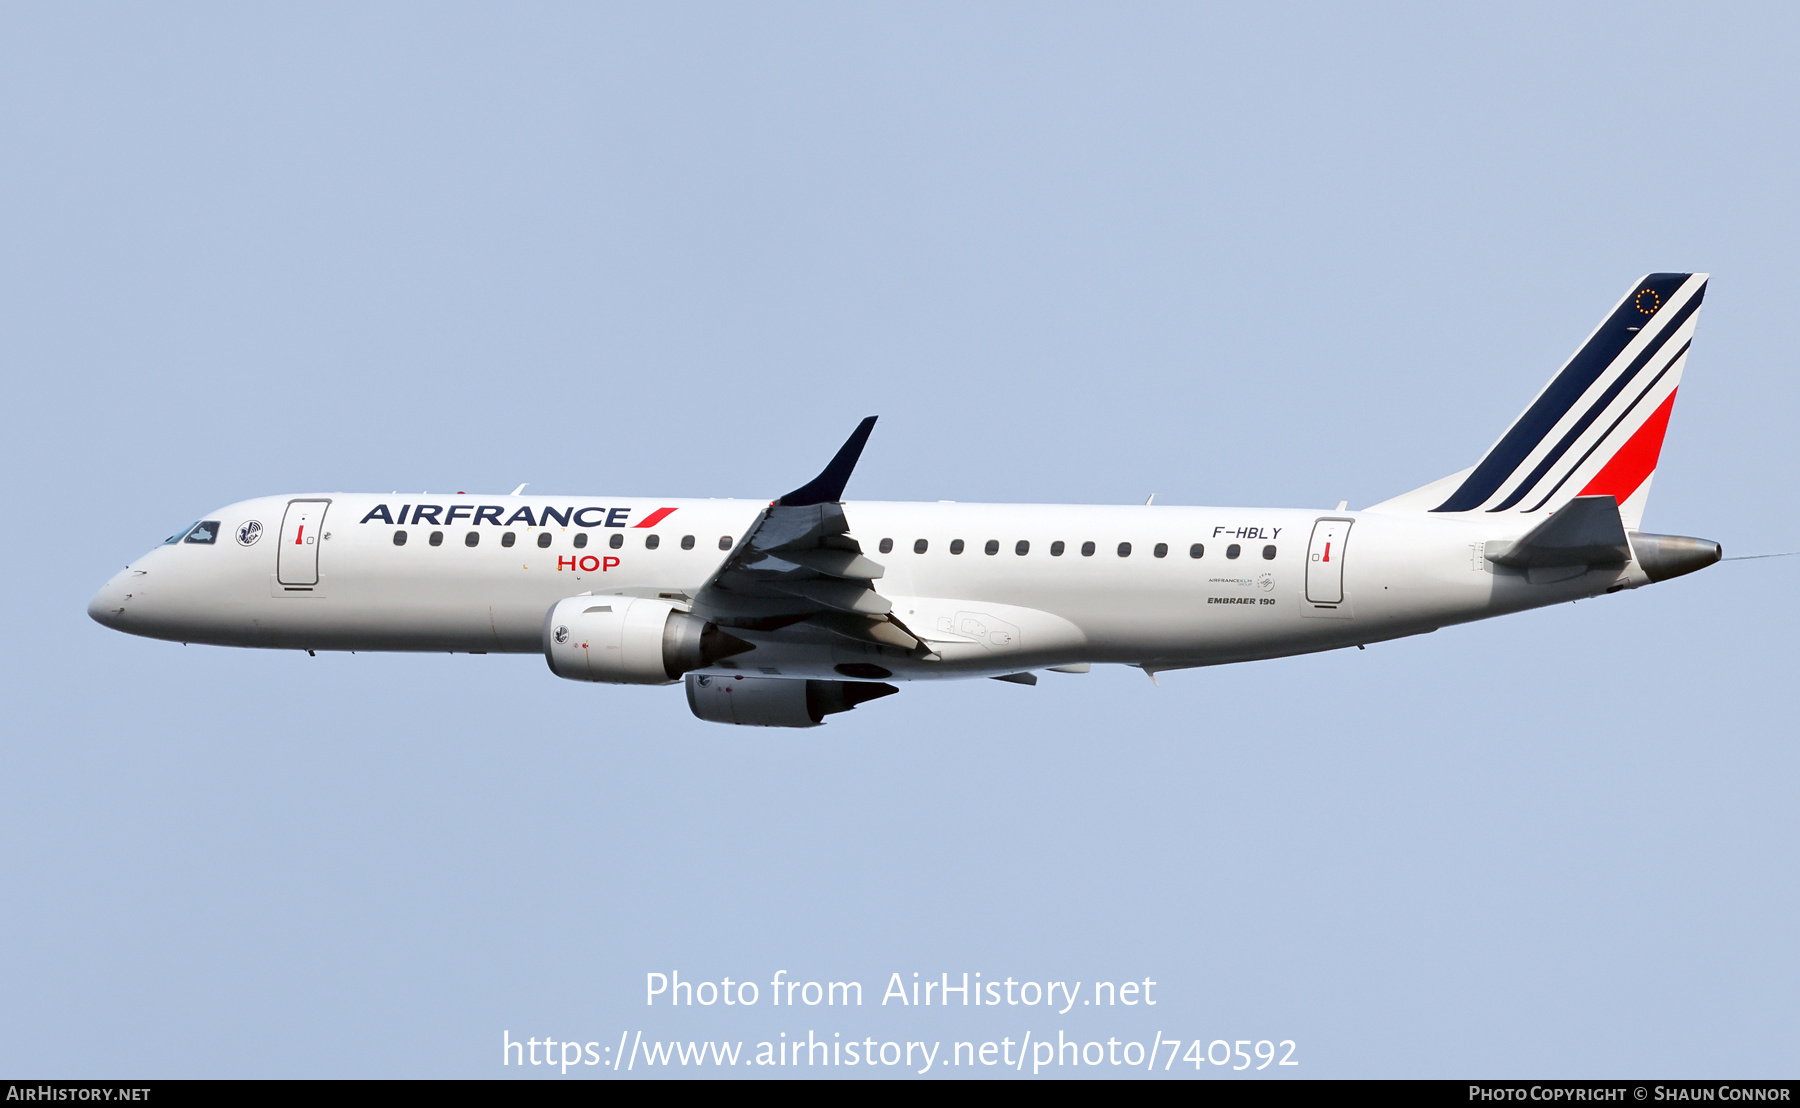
x=828, y=487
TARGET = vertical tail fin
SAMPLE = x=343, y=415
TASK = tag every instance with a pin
x=1597, y=427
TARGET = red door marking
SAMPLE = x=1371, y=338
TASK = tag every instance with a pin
x=298, y=533
x=1327, y=557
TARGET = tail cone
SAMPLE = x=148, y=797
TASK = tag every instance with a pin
x=1666, y=556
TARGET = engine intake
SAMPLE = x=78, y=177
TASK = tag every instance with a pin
x=629, y=641
x=776, y=701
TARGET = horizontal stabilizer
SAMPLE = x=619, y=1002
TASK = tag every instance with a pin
x=1585, y=531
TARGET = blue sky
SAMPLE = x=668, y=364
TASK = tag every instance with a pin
x=1257, y=255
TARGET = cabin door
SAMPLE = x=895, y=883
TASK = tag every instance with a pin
x=297, y=557
x=1325, y=562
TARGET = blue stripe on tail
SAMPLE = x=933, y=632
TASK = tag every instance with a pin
x=1570, y=385
x=1645, y=356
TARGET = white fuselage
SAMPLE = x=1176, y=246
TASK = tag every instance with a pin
x=323, y=572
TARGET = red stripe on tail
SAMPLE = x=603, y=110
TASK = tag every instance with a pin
x=1635, y=461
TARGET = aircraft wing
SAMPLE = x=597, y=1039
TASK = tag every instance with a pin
x=798, y=564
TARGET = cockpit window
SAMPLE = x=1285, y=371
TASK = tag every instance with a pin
x=179, y=535
x=204, y=533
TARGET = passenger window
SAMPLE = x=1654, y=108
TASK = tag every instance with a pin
x=616, y=541
x=1124, y=550
x=437, y=538
x=920, y=546
x=1087, y=550
x=887, y=546
x=992, y=547
x=543, y=540
x=204, y=533
x=1198, y=550
x=724, y=542
x=473, y=538
x=956, y=546
x=1162, y=550
x=1268, y=553
x=652, y=541
x=508, y=539
x=1233, y=550
x=687, y=542
x=1021, y=548
x=580, y=539
x=399, y=538
x=1056, y=549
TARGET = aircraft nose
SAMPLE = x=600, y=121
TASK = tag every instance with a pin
x=108, y=605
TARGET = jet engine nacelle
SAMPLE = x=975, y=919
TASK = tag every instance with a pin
x=624, y=640
x=776, y=701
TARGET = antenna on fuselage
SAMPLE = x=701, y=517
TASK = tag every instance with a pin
x=520, y=489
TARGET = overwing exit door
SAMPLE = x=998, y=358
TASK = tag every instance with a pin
x=1325, y=561
x=297, y=556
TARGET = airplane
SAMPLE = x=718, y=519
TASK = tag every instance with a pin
x=781, y=614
